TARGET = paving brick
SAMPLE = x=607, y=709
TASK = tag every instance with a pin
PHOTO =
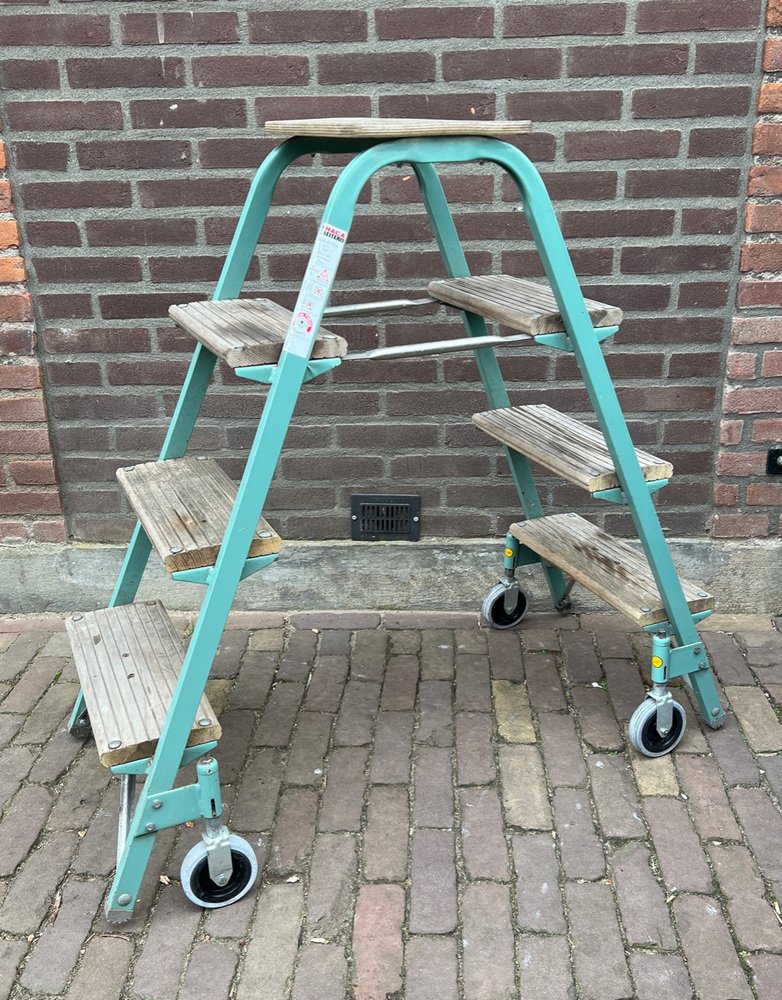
x=23, y=648
x=512, y=711
x=368, y=656
x=758, y=721
x=473, y=683
x=393, y=748
x=308, y=748
x=32, y=684
x=562, y=750
x=483, y=841
x=707, y=801
x=772, y=766
x=505, y=656
x=726, y=659
x=294, y=831
x=654, y=775
x=321, y=974
x=377, y=941
x=167, y=945
x=598, y=951
x=357, y=714
x=763, y=649
x=210, y=971
x=267, y=638
x=274, y=940
x=543, y=684
x=658, y=976
x=488, y=942
x=641, y=898
x=324, y=693
x=256, y=798
x=237, y=732
x=333, y=876
x=625, y=687
x=17, y=762
x=767, y=971
x=433, y=799
x=343, y=798
x=11, y=955
x=537, y=883
x=618, y=808
x=470, y=640
x=254, y=680
x=21, y=825
x=677, y=846
x=48, y=713
x=437, y=655
x=431, y=968
x=432, y=883
x=80, y=795
x=435, y=725
x=762, y=824
x=333, y=642
x=400, y=683
x=596, y=718
x=474, y=749
x=708, y=949
x=33, y=888
x=9, y=726
x=279, y=716
x=233, y=921
x=387, y=833
x=405, y=641
x=545, y=968
x=580, y=850
x=580, y=659
x=524, y=793
x=539, y=640
x=732, y=755
x=754, y=922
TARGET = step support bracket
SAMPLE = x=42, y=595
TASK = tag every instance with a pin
x=617, y=494
x=142, y=766
x=669, y=662
x=203, y=573
x=267, y=374
x=186, y=803
x=561, y=341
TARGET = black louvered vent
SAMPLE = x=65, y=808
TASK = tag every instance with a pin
x=377, y=517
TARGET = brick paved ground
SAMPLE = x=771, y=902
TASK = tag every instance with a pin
x=442, y=812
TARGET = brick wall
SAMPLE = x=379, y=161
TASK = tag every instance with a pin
x=134, y=135
x=747, y=502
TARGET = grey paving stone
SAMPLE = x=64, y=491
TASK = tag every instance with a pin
x=32, y=684
x=473, y=683
x=505, y=655
x=393, y=747
x=400, y=684
x=21, y=651
x=231, y=753
x=55, y=704
x=708, y=949
x=543, y=684
x=81, y=794
x=56, y=951
x=431, y=968
x=432, y=883
x=21, y=824
x=707, y=800
x=625, y=687
x=676, y=843
x=32, y=890
x=732, y=755
x=579, y=846
x=327, y=682
x=762, y=823
x=754, y=922
x=524, y=793
x=309, y=748
x=294, y=831
x=387, y=834
x=433, y=788
x=17, y=762
x=57, y=756
x=332, y=887
x=258, y=791
x=405, y=639
x=544, y=963
x=580, y=659
x=368, y=655
x=210, y=971
x=437, y=655
x=279, y=715
x=435, y=725
x=474, y=749
x=487, y=941
x=333, y=642
x=273, y=943
x=321, y=974
x=537, y=639
x=483, y=841
x=595, y=716
x=157, y=972
x=601, y=969
x=356, y=717
x=11, y=955
x=767, y=975
x=254, y=680
x=377, y=941
x=657, y=976
x=618, y=809
x=9, y=727
x=343, y=798
x=726, y=658
x=470, y=638
x=233, y=921
x=562, y=750
x=97, y=854
x=537, y=883
x=641, y=898
x=229, y=653
x=613, y=645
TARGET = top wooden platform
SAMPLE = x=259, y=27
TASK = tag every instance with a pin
x=392, y=128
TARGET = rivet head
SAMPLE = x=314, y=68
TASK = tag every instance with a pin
x=204, y=722
x=150, y=828
x=646, y=610
x=129, y=468
x=175, y=550
x=715, y=712
x=115, y=744
x=702, y=593
x=157, y=804
x=123, y=900
x=76, y=618
x=264, y=534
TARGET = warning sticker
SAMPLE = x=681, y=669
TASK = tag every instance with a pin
x=315, y=289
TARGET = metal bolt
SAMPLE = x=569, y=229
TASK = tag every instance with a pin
x=76, y=618
x=702, y=593
x=175, y=550
x=123, y=900
x=157, y=804
x=715, y=712
x=150, y=828
x=200, y=458
x=264, y=534
x=701, y=666
x=697, y=651
x=204, y=723
x=416, y=519
x=646, y=610
x=354, y=517
x=115, y=744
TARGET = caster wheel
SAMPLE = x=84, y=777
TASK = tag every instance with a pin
x=643, y=729
x=201, y=890
x=493, y=609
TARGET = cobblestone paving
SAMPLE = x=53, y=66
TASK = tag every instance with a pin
x=441, y=812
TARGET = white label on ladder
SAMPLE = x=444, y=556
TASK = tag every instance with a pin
x=315, y=289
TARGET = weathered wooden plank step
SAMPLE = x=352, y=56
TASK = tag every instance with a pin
x=564, y=445
x=523, y=305
x=184, y=505
x=128, y=660
x=607, y=566
x=392, y=128
x=247, y=332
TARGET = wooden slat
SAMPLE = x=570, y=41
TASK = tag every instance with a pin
x=128, y=660
x=184, y=505
x=247, y=332
x=391, y=128
x=603, y=564
x=523, y=305
x=564, y=445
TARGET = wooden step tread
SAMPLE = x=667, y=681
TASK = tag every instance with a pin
x=247, y=332
x=184, y=505
x=523, y=305
x=391, y=128
x=128, y=660
x=564, y=445
x=607, y=566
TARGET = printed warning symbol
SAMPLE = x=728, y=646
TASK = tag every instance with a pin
x=324, y=275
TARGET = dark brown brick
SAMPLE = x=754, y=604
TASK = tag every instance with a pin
x=385, y=67
x=294, y=106
x=236, y=153
x=489, y=935
x=188, y=113
x=435, y=22
x=709, y=220
x=682, y=183
x=480, y=105
x=691, y=102
x=717, y=142
x=49, y=116
x=725, y=57
x=566, y=105
x=474, y=754
x=527, y=20
x=502, y=64
x=76, y=269
x=483, y=841
x=133, y=154
x=140, y=232
x=433, y=883
x=55, y=29
x=561, y=749
x=65, y=306
x=601, y=972
x=42, y=155
x=537, y=883
x=192, y=191
x=251, y=71
x=48, y=234
x=628, y=60
x=147, y=71
x=387, y=833
x=180, y=28
x=712, y=961
x=654, y=260
x=268, y=27
x=641, y=899
x=627, y=144
x=76, y=194
x=343, y=798
x=695, y=15
x=142, y=305
x=30, y=74
x=431, y=965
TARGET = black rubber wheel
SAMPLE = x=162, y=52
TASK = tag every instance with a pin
x=643, y=729
x=207, y=893
x=494, y=612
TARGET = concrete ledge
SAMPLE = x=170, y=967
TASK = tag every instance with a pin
x=743, y=575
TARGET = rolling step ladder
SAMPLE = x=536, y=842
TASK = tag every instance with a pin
x=143, y=693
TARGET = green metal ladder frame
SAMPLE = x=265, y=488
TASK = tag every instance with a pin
x=287, y=378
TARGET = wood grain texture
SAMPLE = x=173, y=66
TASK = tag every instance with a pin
x=128, y=660
x=523, y=305
x=247, y=332
x=564, y=445
x=607, y=566
x=391, y=128
x=184, y=505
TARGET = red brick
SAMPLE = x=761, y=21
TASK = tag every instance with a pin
x=767, y=138
x=76, y=194
x=726, y=494
x=629, y=144
x=764, y=494
x=772, y=55
x=217, y=113
x=688, y=183
x=770, y=98
x=50, y=531
x=480, y=105
x=703, y=294
x=503, y=64
x=185, y=28
x=772, y=364
x=53, y=270
x=11, y=270
x=759, y=400
x=774, y=14
x=148, y=71
x=567, y=105
x=53, y=234
x=687, y=365
x=55, y=29
x=767, y=431
x=761, y=257
x=658, y=259
x=13, y=530
x=193, y=191
x=65, y=306
x=29, y=502
x=25, y=441
x=6, y=201
x=144, y=154
x=765, y=180
x=51, y=116
x=321, y=25
x=628, y=60
x=140, y=232
x=751, y=463
x=741, y=366
x=435, y=22
x=526, y=20
x=9, y=234
x=753, y=294
x=717, y=142
x=82, y=340
x=34, y=473
x=691, y=102
x=3, y=155
x=621, y=222
x=20, y=376
x=30, y=74
x=725, y=57
x=17, y=341
x=740, y=525
x=757, y=330
x=15, y=308
x=200, y=268
x=378, y=67
x=718, y=221
x=251, y=71
x=236, y=153
x=377, y=940
x=696, y=15
x=42, y=155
